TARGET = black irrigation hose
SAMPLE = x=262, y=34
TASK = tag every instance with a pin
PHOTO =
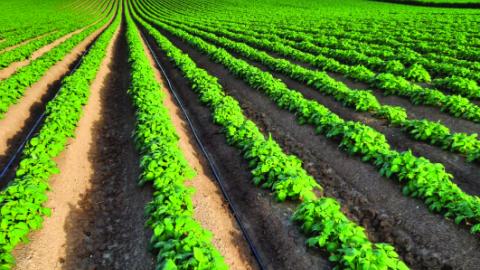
x=40, y=118
x=210, y=161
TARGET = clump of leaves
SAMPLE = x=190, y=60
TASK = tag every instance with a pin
x=417, y=73
x=344, y=240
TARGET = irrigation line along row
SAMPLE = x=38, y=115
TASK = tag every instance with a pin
x=39, y=120
x=207, y=156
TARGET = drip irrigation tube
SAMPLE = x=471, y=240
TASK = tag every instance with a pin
x=207, y=156
x=40, y=119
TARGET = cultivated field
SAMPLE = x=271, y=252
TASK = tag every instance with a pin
x=238, y=134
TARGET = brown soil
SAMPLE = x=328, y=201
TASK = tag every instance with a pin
x=373, y=201
x=465, y=173
x=49, y=245
x=111, y=213
x=431, y=113
x=277, y=240
x=26, y=41
x=97, y=218
x=211, y=210
x=21, y=116
x=416, y=111
x=10, y=70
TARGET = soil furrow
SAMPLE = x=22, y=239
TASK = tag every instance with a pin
x=211, y=210
x=431, y=113
x=27, y=41
x=278, y=241
x=98, y=217
x=21, y=116
x=12, y=68
x=465, y=173
x=111, y=212
x=373, y=201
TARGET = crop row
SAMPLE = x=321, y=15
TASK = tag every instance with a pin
x=29, y=25
x=378, y=57
x=410, y=37
x=456, y=82
x=13, y=88
x=353, y=52
x=434, y=133
x=422, y=178
x=179, y=239
x=23, y=52
x=15, y=38
x=459, y=80
x=320, y=218
x=21, y=203
x=455, y=105
x=455, y=36
x=438, y=65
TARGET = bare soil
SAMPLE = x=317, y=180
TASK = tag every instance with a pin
x=373, y=201
x=465, y=173
x=21, y=116
x=12, y=68
x=111, y=213
x=211, y=210
x=26, y=41
x=277, y=240
x=97, y=218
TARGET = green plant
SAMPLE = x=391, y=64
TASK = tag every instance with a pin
x=13, y=87
x=271, y=167
x=346, y=242
x=356, y=138
x=394, y=66
x=418, y=73
x=426, y=130
x=179, y=241
x=465, y=87
x=22, y=201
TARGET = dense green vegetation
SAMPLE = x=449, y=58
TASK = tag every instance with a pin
x=13, y=88
x=181, y=242
x=453, y=3
x=21, y=203
x=52, y=16
x=423, y=178
x=283, y=174
x=394, y=86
